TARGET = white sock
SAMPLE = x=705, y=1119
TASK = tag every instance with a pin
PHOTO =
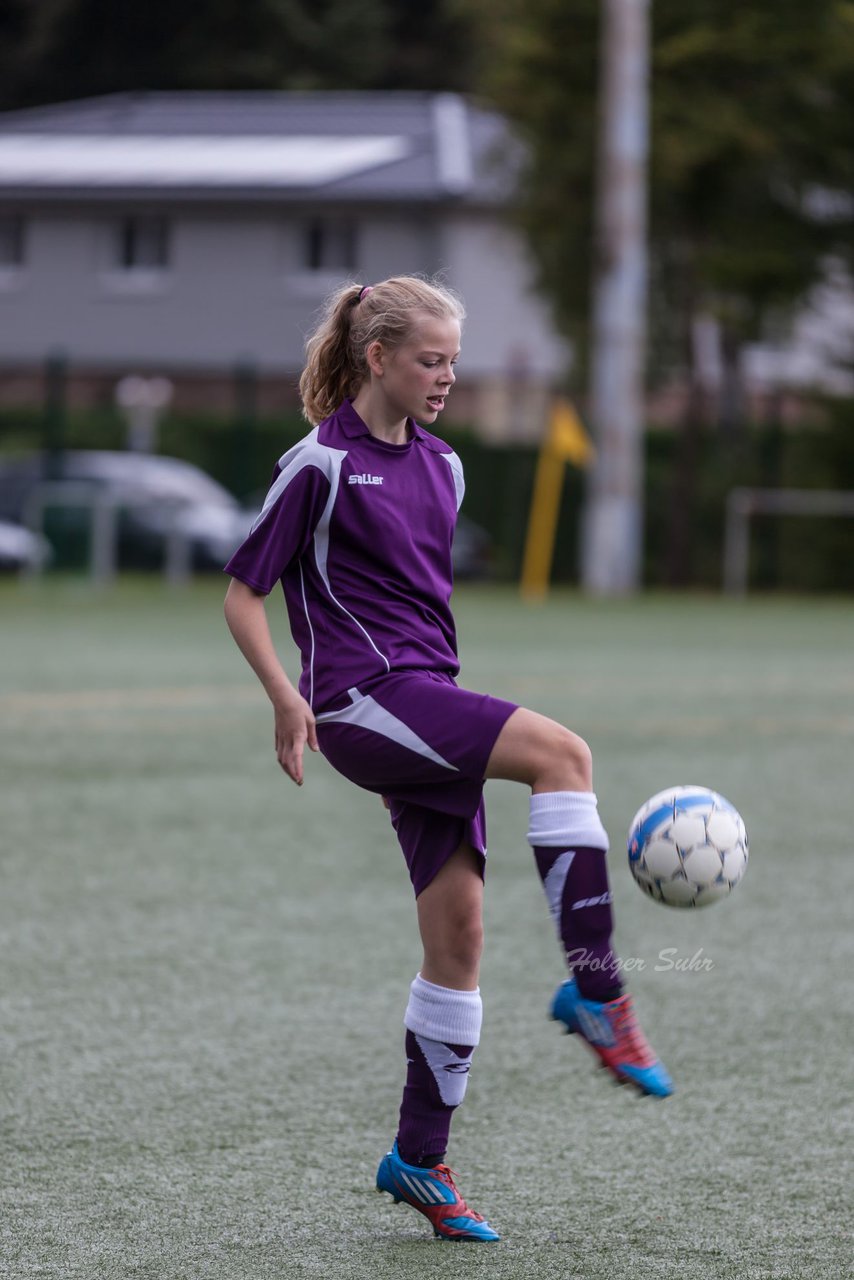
x=566, y=820
x=441, y=1013
x=439, y=1017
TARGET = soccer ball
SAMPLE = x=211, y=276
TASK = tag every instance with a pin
x=687, y=847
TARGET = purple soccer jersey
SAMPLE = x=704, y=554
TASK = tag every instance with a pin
x=359, y=534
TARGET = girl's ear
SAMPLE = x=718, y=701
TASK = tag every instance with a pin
x=375, y=357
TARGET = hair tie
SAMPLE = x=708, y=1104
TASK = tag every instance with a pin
x=365, y=289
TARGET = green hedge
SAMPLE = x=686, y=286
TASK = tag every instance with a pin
x=684, y=498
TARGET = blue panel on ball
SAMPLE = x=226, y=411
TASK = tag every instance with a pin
x=641, y=834
x=692, y=801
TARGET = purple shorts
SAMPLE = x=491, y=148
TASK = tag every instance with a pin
x=422, y=742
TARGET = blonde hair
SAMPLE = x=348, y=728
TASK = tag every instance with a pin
x=353, y=318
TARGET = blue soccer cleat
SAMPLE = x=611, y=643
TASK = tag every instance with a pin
x=613, y=1033
x=432, y=1192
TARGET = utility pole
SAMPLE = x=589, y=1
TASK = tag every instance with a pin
x=613, y=517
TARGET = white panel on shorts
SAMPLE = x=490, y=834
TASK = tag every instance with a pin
x=365, y=712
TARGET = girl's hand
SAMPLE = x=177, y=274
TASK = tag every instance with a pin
x=294, y=727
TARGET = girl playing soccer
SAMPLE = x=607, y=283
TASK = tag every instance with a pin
x=358, y=526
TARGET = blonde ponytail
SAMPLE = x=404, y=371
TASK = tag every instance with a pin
x=353, y=318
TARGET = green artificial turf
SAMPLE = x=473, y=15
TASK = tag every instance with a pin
x=204, y=970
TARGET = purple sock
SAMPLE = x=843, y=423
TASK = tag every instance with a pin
x=576, y=885
x=570, y=845
x=425, y=1119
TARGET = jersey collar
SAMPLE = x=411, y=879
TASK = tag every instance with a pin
x=352, y=425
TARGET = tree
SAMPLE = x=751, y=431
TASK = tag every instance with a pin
x=53, y=50
x=752, y=129
x=752, y=175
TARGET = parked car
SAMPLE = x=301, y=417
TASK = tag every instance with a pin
x=155, y=496
x=20, y=549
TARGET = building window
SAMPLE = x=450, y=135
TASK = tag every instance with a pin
x=11, y=241
x=134, y=257
x=141, y=244
x=329, y=246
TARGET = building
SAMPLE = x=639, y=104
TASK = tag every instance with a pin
x=186, y=235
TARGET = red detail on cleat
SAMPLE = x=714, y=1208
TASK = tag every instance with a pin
x=442, y=1216
x=630, y=1047
x=612, y=1031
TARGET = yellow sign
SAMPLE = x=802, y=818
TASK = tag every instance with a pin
x=566, y=437
x=565, y=441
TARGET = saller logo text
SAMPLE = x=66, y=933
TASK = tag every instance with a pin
x=365, y=479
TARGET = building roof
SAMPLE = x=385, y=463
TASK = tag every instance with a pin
x=349, y=147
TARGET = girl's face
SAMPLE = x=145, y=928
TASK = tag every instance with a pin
x=416, y=378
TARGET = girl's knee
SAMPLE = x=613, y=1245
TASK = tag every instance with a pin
x=542, y=753
x=452, y=955
x=566, y=763
x=459, y=942
x=450, y=915
x=579, y=760
x=467, y=938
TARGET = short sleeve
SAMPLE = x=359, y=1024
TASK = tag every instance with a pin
x=284, y=529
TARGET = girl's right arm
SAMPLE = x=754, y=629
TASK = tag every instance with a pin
x=246, y=615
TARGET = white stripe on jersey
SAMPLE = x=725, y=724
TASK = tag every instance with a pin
x=367, y=713
x=310, y=453
x=321, y=550
x=311, y=633
x=457, y=472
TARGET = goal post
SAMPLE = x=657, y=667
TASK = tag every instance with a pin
x=743, y=503
x=104, y=509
